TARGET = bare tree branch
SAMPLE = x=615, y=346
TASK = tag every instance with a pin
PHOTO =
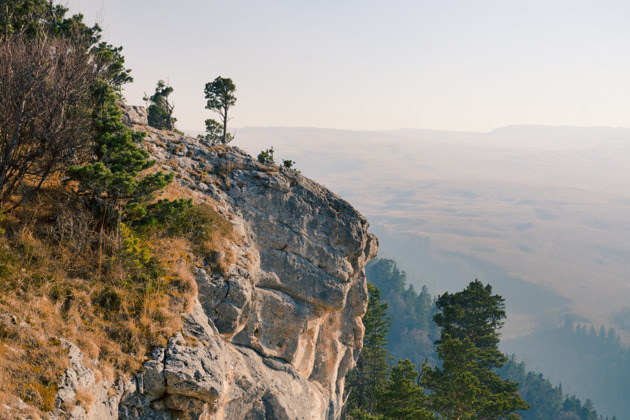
x=46, y=104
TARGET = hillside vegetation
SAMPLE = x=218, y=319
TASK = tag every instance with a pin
x=116, y=298
x=96, y=247
x=407, y=330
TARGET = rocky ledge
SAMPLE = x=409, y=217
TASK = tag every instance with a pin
x=273, y=334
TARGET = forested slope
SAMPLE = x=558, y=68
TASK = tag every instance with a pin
x=413, y=332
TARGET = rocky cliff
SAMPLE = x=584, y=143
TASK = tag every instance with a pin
x=274, y=331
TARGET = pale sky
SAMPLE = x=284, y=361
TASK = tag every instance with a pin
x=377, y=65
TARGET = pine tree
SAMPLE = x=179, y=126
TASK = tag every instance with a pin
x=466, y=386
x=112, y=180
x=385, y=274
x=368, y=378
x=424, y=306
x=402, y=398
x=160, y=112
x=220, y=98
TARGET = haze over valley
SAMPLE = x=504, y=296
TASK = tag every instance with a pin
x=542, y=213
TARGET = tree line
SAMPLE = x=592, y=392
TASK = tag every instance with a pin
x=400, y=322
x=591, y=361
x=464, y=386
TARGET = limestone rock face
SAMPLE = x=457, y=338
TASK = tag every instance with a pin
x=78, y=378
x=275, y=331
x=135, y=115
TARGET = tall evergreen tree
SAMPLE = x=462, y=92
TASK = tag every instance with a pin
x=402, y=398
x=413, y=331
x=385, y=274
x=37, y=17
x=112, y=180
x=220, y=98
x=368, y=378
x=466, y=386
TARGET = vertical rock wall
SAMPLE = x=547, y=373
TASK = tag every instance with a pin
x=277, y=330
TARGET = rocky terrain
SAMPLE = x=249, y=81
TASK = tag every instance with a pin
x=274, y=332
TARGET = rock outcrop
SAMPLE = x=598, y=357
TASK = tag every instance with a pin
x=273, y=334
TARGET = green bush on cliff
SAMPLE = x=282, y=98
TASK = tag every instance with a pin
x=160, y=110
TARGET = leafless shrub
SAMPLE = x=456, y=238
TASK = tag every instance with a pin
x=45, y=103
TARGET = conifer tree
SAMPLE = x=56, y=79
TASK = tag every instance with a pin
x=160, y=112
x=402, y=398
x=467, y=386
x=367, y=380
x=220, y=98
x=113, y=178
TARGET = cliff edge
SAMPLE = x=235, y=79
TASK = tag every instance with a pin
x=276, y=324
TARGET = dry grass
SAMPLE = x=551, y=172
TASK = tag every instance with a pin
x=175, y=191
x=223, y=168
x=251, y=261
x=172, y=163
x=228, y=258
x=30, y=364
x=84, y=398
x=62, y=276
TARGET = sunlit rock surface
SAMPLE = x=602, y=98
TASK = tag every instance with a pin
x=274, y=332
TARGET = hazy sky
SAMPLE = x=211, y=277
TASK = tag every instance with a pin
x=364, y=64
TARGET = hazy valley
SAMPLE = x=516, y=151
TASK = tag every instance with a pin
x=539, y=212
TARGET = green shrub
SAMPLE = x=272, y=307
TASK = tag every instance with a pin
x=266, y=156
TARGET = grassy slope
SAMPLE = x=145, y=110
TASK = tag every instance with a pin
x=62, y=276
